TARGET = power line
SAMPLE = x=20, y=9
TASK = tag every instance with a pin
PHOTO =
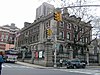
x=83, y=6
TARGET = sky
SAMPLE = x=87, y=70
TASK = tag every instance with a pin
x=17, y=11
x=20, y=11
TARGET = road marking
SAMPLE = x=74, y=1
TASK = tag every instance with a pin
x=6, y=66
x=84, y=71
x=14, y=66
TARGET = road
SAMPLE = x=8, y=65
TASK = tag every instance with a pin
x=16, y=69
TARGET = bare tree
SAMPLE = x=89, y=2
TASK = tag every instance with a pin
x=96, y=23
x=84, y=14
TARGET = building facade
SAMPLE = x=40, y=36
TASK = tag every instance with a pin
x=94, y=52
x=7, y=36
x=69, y=37
x=44, y=10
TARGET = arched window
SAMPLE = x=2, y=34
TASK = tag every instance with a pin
x=61, y=49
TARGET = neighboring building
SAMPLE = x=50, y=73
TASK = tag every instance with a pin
x=94, y=51
x=7, y=36
x=33, y=37
x=44, y=10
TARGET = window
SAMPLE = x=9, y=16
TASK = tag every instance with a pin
x=80, y=39
x=61, y=35
x=61, y=49
x=69, y=46
x=37, y=37
x=82, y=50
x=26, y=41
x=48, y=24
x=77, y=37
x=68, y=36
x=69, y=26
x=10, y=38
x=33, y=38
x=76, y=28
x=86, y=40
x=6, y=37
x=2, y=37
x=30, y=39
x=61, y=24
x=82, y=31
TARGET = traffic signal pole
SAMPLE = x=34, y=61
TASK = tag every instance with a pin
x=58, y=18
x=55, y=53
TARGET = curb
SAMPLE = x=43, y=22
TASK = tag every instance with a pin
x=32, y=65
x=92, y=66
x=43, y=67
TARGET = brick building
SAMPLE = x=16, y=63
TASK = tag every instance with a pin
x=7, y=36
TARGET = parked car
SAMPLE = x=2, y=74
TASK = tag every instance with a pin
x=75, y=63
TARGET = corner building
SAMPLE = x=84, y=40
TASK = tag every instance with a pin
x=33, y=37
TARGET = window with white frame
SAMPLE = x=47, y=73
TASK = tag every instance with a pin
x=82, y=30
x=2, y=37
x=80, y=39
x=68, y=36
x=6, y=38
x=86, y=40
x=77, y=37
x=61, y=34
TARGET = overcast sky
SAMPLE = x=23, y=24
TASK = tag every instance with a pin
x=19, y=11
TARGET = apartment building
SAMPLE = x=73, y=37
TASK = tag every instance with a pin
x=44, y=10
x=7, y=36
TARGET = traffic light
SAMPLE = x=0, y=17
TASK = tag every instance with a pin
x=48, y=32
x=57, y=16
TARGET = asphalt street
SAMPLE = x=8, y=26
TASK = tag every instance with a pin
x=16, y=69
